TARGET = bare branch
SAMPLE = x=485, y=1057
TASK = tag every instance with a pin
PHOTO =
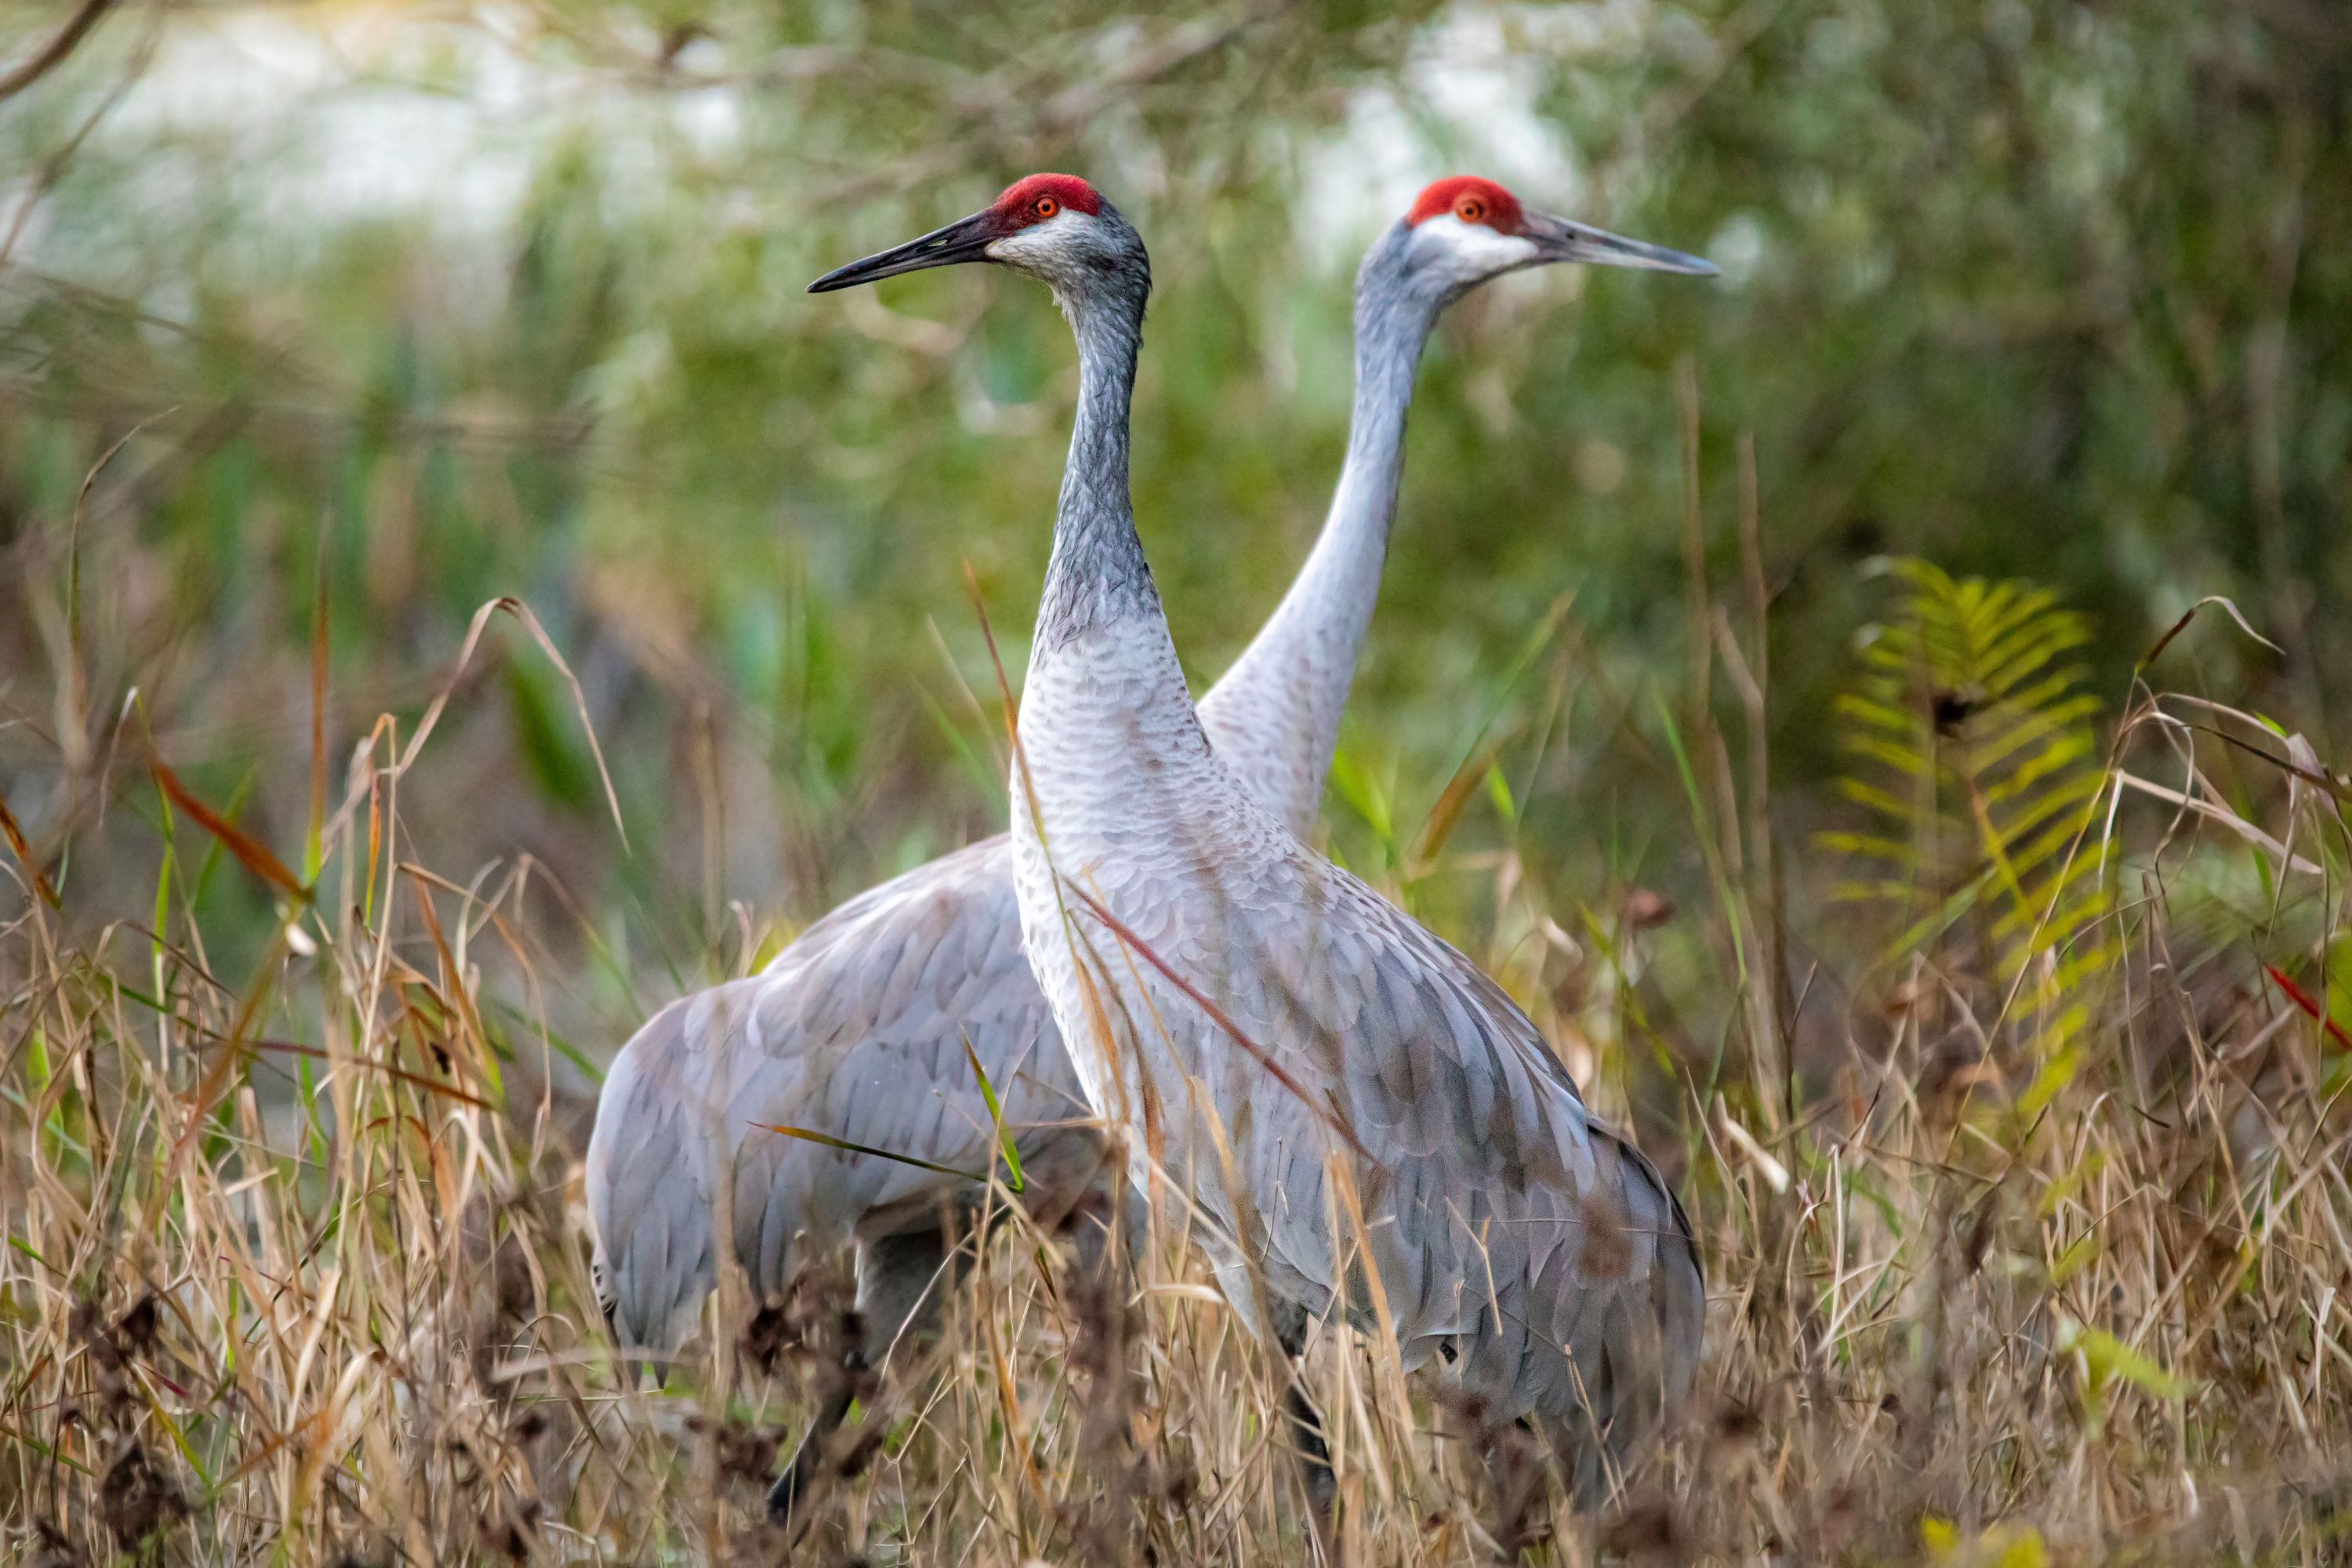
x=51, y=55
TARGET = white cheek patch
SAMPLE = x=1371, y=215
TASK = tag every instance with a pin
x=1478, y=248
x=1037, y=244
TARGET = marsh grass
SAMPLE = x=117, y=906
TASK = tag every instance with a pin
x=295, y=1272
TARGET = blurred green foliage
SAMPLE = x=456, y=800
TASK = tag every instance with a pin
x=419, y=307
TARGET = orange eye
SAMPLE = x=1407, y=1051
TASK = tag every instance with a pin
x=1470, y=209
x=1047, y=206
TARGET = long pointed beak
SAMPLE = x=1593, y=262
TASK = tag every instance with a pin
x=1561, y=239
x=966, y=239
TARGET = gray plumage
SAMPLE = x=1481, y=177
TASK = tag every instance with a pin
x=855, y=1029
x=1516, y=1241
x=858, y=1027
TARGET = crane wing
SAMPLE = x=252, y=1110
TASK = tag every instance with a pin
x=1504, y=1220
x=857, y=1030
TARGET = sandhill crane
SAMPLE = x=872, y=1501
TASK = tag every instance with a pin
x=1264, y=1025
x=858, y=1027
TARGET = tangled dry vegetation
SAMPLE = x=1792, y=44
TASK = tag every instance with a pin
x=2019, y=1169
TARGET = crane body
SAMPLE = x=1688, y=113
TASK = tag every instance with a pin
x=859, y=1027
x=1263, y=1026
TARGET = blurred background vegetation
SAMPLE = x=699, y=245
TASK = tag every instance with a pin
x=1755, y=685
x=324, y=324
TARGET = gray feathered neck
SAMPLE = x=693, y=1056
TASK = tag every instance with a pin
x=1098, y=573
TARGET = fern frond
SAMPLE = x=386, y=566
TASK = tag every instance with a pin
x=1865, y=845
x=1882, y=802
x=1972, y=761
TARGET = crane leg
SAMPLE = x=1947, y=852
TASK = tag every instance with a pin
x=800, y=1471
x=1305, y=1421
x=896, y=1275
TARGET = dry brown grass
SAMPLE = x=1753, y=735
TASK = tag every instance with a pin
x=295, y=1271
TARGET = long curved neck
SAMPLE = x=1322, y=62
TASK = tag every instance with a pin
x=1098, y=574
x=1108, y=730
x=1274, y=718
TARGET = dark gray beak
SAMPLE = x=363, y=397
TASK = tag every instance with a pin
x=1560, y=239
x=966, y=239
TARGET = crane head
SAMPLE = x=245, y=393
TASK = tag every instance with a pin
x=1056, y=226
x=1464, y=230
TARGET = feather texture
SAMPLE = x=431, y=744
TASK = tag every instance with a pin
x=1515, y=1236
x=1262, y=1023
x=858, y=1028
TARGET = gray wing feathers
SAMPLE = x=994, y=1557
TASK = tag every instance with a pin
x=648, y=1190
x=1503, y=1220
x=857, y=1030
x=1508, y=1225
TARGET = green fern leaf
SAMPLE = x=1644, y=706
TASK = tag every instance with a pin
x=1975, y=776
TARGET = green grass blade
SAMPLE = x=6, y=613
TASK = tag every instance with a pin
x=810, y=1136
x=995, y=1115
